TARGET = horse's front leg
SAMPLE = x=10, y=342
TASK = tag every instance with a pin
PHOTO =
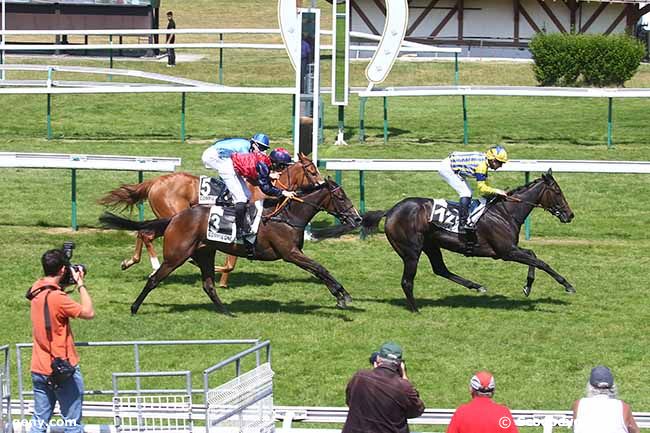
x=529, y=258
x=299, y=259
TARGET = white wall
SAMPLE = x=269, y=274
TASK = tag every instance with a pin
x=490, y=19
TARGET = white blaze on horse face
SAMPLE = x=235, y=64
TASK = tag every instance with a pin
x=394, y=31
x=288, y=20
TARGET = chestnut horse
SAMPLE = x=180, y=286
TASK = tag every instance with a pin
x=280, y=236
x=171, y=193
x=409, y=231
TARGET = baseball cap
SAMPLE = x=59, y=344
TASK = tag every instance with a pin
x=483, y=381
x=601, y=377
x=391, y=350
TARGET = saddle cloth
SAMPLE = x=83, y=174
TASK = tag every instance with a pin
x=221, y=223
x=213, y=190
x=444, y=213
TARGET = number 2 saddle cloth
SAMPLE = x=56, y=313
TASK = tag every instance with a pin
x=444, y=213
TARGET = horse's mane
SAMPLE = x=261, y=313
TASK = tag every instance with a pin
x=523, y=187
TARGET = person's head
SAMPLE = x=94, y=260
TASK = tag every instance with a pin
x=482, y=384
x=601, y=382
x=260, y=142
x=390, y=353
x=54, y=262
x=496, y=156
x=280, y=159
x=170, y=15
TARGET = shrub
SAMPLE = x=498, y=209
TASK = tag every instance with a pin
x=556, y=59
x=562, y=59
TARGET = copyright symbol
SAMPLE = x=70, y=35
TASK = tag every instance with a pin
x=504, y=422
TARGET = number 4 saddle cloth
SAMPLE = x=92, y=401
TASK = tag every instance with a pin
x=221, y=223
x=444, y=213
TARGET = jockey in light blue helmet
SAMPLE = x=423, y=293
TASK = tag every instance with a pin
x=261, y=141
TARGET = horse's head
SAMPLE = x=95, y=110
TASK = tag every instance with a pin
x=303, y=174
x=552, y=199
x=338, y=204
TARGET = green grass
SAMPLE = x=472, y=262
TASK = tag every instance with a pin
x=540, y=348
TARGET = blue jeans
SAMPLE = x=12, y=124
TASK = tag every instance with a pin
x=70, y=397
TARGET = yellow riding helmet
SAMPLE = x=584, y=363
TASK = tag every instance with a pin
x=497, y=152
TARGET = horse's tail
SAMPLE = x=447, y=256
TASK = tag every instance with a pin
x=332, y=232
x=127, y=195
x=370, y=221
x=112, y=221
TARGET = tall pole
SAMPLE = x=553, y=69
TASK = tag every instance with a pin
x=2, y=42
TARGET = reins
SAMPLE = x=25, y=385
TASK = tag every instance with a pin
x=554, y=210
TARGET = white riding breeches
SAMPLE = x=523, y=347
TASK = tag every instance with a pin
x=454, y=180
x=235, y=183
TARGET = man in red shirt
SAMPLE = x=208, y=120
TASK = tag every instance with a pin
x=482, y=414
x=57, y=342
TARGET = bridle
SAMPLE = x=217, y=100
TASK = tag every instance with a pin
x=555, y=210
x=305, y=168
x=339, y=212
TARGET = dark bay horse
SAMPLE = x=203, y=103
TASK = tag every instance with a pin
x=280, y=236
x=171, y=193
x=410, y=233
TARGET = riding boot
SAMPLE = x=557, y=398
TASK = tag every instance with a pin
x=240, y=220
x=463, y=215
x=467, y=232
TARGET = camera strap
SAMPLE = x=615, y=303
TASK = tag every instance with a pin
x=46, y=312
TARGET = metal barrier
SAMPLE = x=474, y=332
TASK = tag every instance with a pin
x=89, y=162
x=5, y=392
x=465, y=91
x=245, y=403
x=148, y=413
x=174, y=397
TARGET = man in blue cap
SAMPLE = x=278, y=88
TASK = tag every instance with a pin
x=380, y=400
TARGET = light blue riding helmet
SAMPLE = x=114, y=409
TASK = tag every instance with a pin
x=262, y=141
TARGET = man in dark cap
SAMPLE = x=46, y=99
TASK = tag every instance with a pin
x=382, y=399
x=601, y=411
x=482, y=414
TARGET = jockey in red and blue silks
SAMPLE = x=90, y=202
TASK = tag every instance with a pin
x=459, y=166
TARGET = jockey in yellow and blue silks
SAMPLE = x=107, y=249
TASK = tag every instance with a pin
x=459, y=166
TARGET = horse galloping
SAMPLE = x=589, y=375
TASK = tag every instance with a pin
x=410, y=232
x=280, y=236
x=171, y=193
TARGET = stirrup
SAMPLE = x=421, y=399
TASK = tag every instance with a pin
x=250, y=248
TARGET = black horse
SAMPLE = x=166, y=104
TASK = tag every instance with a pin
x=410, y=232
x=280, y=236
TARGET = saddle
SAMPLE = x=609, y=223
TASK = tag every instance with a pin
x=444, y=213
x=213, y=190
x=221, y=223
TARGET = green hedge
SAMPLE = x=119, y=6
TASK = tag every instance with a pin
x=590, y=60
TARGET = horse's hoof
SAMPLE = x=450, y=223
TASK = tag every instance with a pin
x=569, y=289
x=223, y=286
x=341, y=305
x=347, y=297
x=482, y=289
x=526, y=290
x=134, y=311
x=123, y=265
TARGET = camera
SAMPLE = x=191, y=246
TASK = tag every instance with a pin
x=68, y=279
